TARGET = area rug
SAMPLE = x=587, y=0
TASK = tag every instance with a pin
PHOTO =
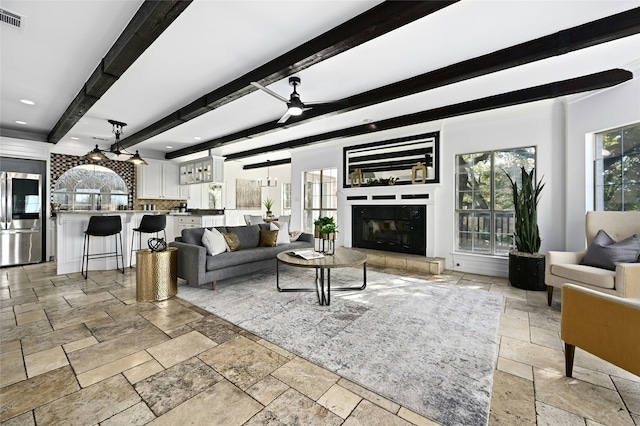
x=429, y=347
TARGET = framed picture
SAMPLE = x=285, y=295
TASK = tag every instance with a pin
x=248, y=194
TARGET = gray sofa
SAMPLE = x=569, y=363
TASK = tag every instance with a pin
x=198, y=268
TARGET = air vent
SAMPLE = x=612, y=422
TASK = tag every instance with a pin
x=11, y=18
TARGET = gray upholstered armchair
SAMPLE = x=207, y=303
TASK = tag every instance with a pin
x=565, y=267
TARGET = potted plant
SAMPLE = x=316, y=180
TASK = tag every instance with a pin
x=268, y=203
x=526, y=265
x=328, y=231
x=320, y=223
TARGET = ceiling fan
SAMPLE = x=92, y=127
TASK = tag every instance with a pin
x=294, y=105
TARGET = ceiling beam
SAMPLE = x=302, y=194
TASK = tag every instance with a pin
x=546, y=91
x=582, y=36
x=267, y=163
x=377, y=21
x=151, y=19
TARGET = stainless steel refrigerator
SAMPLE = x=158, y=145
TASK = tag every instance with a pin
x=20, y=218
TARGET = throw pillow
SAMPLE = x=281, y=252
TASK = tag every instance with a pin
x=213, y=241
x=283, y=234
x=233, y=242
x=605, y=253
x=294, y=235
x=268, y=238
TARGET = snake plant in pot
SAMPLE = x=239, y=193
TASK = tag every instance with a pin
x=526, y=265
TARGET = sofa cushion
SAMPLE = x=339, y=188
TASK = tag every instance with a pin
x=249, y=236
x=268, y=238
x=604, y=252
x=255, y=254
x=283, y=234
x=598, y=277
x=232, y=241
x=214, y=242
x=192, y=236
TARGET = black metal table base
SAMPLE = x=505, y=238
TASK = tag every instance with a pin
x=324, y=294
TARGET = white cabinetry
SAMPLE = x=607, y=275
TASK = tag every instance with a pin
x=158, y=180
x=188, y=221
x=202, y=170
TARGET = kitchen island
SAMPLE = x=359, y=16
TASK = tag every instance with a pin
x=70, y=234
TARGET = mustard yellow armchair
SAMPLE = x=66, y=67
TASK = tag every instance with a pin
x=565, y=266
x=604, y=325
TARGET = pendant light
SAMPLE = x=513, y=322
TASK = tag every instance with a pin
x=270, y=182
x=97, y=154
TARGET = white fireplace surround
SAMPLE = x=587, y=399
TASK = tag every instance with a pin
x=349, y=197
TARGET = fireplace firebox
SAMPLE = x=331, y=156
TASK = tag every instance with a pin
x=397, y=228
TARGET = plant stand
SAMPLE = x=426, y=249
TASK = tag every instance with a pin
x=526, y=271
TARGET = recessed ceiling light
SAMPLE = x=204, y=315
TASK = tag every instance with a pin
x=21, y=122
x=27, y=102
x=197, y=138
x=75, y=138
x=169, y=147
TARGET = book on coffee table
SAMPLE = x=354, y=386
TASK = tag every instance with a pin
x=307, y=254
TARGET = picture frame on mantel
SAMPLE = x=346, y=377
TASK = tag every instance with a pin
x=408, y=160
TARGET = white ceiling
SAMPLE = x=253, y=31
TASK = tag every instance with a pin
x=213, y=42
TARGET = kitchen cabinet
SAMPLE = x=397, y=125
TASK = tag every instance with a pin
x=197, y=221
x=203, y=170
x=158, y=180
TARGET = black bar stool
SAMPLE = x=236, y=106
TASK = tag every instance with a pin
x=150, y=224
x=102, y=226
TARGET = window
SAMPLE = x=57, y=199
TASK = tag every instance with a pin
x=320, y=196
x=617, y=169
x=484, y=208
x=286, y=199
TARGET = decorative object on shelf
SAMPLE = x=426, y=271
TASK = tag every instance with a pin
x=157, y=244
x=268, y=203
x=355, y=178
x=269, y=182
x=390, y=162
x=526, y=265
x=97, y=154
x=419, y=170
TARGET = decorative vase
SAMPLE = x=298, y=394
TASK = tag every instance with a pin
x=269, y=213
x=330, y=247
x=526, y=270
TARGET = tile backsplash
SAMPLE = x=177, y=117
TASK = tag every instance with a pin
x=160, y=204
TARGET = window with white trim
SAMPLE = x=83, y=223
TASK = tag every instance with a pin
x=320, y=196
x=617, y=169
x=485, y=218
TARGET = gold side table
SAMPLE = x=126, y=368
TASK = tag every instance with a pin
x=156, y=274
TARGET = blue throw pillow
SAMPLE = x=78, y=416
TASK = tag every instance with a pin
x=605, y=253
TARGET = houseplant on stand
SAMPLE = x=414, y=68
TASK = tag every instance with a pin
x=319, y=223
x=526, y=265
x=328, y=233
x=268, y=203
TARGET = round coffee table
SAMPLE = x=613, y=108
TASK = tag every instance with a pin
x=343, y=258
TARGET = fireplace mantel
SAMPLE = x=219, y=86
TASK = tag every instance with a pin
x=424, y=194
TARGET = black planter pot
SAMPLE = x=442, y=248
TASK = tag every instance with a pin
x=526, y=271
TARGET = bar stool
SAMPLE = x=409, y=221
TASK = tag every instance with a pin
x=102, y=226
x=150, y=224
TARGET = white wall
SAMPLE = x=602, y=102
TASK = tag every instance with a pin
x=555, y=128
x=616, y=107
x=233, y=170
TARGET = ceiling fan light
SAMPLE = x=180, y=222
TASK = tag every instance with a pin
x=136, y=159
x=294, y=110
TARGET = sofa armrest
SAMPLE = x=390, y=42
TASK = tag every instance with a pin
x=306, y=237
x=628, y=279
x=562, y=257
x=192, y=261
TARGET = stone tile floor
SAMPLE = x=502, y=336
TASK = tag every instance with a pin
x=84, y=352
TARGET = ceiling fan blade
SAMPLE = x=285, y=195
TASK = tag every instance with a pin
x=327, y=104
x=271, y=92
x=284, y=118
